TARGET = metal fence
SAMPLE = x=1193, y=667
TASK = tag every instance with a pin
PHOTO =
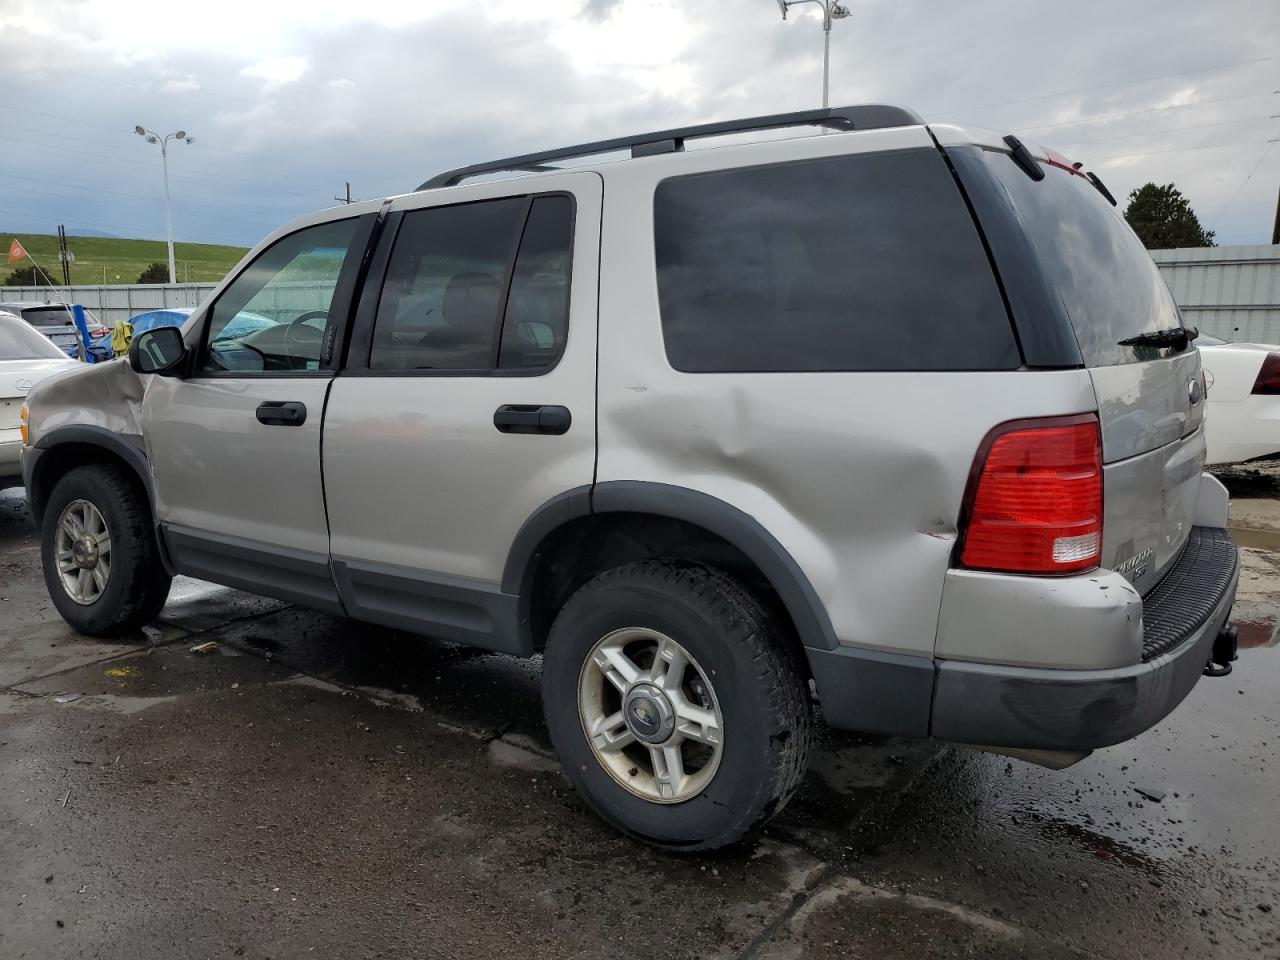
x=115, y=301
x=1228, y=292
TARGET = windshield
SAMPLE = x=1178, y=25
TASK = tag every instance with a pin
x=1107, y=281
x=19, y=342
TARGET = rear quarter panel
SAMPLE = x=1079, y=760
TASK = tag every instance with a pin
x=859, y=476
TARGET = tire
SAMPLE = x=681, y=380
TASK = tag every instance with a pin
x=756, y=682
x=135, y=586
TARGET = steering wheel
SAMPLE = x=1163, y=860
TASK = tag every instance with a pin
x=291, y=338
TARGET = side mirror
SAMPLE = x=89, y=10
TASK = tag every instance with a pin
x=159, y=350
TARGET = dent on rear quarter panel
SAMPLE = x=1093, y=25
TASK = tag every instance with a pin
x=106, y=395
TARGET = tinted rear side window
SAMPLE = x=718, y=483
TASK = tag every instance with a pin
x=1107, y=280
x=865, y=262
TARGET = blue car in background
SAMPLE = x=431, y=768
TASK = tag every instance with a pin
x=241, y=326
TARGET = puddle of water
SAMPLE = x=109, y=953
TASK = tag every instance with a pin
x=1255, y=538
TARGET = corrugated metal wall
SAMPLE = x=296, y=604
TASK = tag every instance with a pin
x=116, y=301
x=1228, y=292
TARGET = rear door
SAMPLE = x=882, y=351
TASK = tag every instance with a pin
x=1150, y=398
x=467, y=400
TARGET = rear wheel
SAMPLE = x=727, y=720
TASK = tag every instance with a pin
x=101, y=563
x=675, y=706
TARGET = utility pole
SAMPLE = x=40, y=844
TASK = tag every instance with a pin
x=1275, y=231
x=347, y=198
x=63, y=255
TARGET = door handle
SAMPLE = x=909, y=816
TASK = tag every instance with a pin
x=531, y=418
x=284, y=413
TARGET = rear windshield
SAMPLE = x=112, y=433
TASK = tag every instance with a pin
x=860, y=262
x=1107, y=281
x=48, y=317
x=20, y=342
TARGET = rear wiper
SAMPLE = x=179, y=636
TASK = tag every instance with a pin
x=1173, y=337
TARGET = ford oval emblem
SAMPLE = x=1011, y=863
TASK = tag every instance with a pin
x=1193, y=390
x=22, y=386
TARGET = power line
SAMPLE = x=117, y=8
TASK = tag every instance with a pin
x=1119, y=83
x=1265, y=153
x=1099, y=118
x=1152, y=153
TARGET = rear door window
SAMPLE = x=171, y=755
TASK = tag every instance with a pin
x=860, y=262
x=1107, y=280
x=477, y=286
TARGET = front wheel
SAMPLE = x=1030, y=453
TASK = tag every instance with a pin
x=101, y=563
x=676, y=708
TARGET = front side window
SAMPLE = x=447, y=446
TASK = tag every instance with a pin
x=477, y=286
x=860, y=262
x=273, y=317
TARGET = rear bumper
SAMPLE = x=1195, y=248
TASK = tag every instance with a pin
x=1167, y=638
x=1040, y=708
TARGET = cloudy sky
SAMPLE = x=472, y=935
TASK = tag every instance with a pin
x=288, y=100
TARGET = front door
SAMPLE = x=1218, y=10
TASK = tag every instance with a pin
x=235, y=445
x=467, y=401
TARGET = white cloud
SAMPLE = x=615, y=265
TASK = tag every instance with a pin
x=276, y=71
x=290, y=98
x=187, y=84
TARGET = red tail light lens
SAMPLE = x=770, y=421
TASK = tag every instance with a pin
x=1268, y=381
x=1034, y=503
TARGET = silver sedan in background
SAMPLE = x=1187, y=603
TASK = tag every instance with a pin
x=26, y=358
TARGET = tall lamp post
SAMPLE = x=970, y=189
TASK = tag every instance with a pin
x=164, y=159
x=831, y=10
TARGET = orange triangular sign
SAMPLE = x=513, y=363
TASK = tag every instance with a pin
x=16, y=252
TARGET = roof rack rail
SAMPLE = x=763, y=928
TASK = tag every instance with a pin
x=862, y=117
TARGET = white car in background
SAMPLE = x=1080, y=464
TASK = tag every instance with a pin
x=26, y=358
x=1242, y=420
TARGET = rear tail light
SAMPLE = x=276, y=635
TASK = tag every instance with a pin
x=1034, y=502
x=1268, y=381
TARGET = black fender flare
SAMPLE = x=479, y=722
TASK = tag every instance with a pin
x=128, y=447
x=726, y=521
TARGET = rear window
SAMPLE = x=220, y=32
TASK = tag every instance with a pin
x=1107, y=280
x=864, y=262
x=48, y=317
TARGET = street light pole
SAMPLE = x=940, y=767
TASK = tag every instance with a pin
x=831, y=10
x=164, y=161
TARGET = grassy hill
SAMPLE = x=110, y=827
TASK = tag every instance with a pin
x=123, y=259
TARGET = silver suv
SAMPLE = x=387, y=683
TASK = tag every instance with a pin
x=898, y=421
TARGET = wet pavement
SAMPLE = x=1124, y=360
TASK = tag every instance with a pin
x=251, y=779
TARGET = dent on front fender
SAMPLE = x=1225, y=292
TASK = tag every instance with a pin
x=106, y=395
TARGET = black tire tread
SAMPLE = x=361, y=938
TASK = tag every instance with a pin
x=776, y=664
x=136, y=559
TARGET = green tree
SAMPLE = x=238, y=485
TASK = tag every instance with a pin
x=1162, y=218
x=156, y=272
x=26, y=276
